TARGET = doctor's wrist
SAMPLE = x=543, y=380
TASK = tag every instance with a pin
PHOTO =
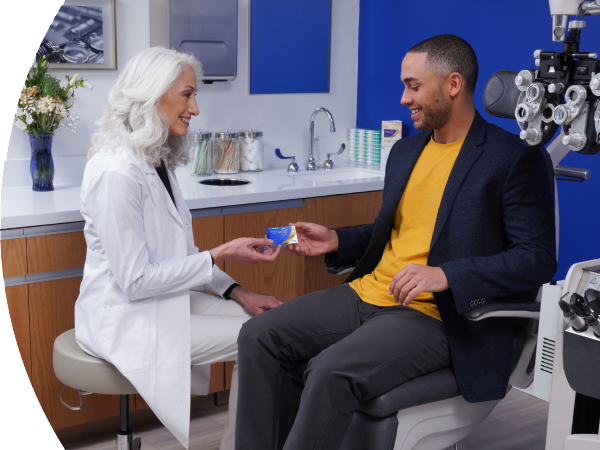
x=219, y=253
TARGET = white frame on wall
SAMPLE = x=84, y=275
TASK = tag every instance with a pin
x=108, y=33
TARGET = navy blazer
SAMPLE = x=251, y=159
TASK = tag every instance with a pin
x=494, y=238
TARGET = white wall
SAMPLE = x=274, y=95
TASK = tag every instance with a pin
x=283, y=119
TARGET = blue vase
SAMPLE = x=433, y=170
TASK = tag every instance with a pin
x=42, y=165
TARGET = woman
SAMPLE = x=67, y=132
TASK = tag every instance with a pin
x=135, y=308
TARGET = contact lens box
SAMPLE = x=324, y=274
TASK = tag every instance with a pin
x=282, y=235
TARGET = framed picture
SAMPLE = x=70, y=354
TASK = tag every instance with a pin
x=82, y=36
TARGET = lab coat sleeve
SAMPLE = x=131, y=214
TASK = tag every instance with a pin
x=114, y=202
x=220, y=281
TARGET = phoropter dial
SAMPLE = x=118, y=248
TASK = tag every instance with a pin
x=575, y=140
x=524, y=79
x=595, y=85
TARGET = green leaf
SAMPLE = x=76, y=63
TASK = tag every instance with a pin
x=34, y=133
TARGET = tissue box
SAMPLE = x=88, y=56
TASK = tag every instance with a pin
x=282, y=235
x=391, y=131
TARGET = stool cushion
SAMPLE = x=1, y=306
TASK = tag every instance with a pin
x=84, y=372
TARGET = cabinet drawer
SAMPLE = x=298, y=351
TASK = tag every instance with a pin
x=55, y=252
x=14, y=257
x=342, y=211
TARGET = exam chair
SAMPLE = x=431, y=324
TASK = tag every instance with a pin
x=428, y=412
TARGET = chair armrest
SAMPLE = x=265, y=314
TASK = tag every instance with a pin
x=340, y=270
x=528, y=310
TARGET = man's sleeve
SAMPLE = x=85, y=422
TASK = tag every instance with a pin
x=352, y=244
x=529, y=226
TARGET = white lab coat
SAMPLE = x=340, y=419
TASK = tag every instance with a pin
x=133, y=308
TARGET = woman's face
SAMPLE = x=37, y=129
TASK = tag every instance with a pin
x=179, y=104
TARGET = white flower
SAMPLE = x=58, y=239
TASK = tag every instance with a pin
x=29, y=119
x=20, y=125
x=71, y=92
x=61, y=110
x=20, y=112
x=73, y=78
x=88, y=85
x=70, y=101
x=45, y=105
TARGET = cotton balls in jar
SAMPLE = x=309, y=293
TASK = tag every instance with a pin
x=251, y=151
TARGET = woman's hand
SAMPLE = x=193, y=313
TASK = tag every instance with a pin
x=253, y=303
x=313, y=240
x=247, y=250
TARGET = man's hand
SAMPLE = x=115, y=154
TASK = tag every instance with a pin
x=253, y=303
x=313, y=240
x=415, y=279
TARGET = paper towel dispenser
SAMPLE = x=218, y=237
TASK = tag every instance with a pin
x=208, y=29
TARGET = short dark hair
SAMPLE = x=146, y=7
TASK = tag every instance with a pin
x=448, y=53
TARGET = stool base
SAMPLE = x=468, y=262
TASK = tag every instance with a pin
x=128, y=442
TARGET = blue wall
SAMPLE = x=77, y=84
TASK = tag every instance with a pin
x=504, y=36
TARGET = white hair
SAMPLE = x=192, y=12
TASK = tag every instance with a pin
x=133, y=103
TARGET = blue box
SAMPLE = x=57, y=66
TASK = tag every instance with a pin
x=282, y=235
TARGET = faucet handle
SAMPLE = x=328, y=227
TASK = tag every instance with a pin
x=293, y=166
x=328, y=164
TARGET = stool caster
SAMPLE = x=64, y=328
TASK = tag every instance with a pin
x=128, y=442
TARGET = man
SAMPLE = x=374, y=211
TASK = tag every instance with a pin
x=467, y=218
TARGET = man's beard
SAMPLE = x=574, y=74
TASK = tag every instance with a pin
x=436, y=116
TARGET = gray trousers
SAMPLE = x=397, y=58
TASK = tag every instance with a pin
x=357, y=351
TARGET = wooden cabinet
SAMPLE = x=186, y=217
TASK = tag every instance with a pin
x=52, y=313
x=14, y=257
x=55, y=252
x=283, y=279
x=43, y=310
x=340, y=211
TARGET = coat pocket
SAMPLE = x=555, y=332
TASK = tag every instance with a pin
x=126, y=335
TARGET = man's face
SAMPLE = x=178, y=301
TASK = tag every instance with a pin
x=423, y=94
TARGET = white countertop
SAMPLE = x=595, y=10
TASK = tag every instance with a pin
x=22, y=207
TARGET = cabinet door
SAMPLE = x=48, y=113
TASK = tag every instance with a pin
x=14, y=263
x=340, y=211
x=18, y=308
x=283, y=279
x=208, y=234
x=52, y=313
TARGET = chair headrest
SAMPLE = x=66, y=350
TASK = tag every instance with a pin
x=500, y=95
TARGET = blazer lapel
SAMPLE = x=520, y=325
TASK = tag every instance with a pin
x=469, y=153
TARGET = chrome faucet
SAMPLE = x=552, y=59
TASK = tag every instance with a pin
x=311, y=164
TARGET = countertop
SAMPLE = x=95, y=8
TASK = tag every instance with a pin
x=22, y=207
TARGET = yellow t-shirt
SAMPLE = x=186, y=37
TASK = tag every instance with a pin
x=413, y=228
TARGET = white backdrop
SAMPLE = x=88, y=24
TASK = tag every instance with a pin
x=283, y=119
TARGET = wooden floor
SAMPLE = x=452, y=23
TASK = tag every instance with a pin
x=517, y=423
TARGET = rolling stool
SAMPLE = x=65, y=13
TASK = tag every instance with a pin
x=90, y=375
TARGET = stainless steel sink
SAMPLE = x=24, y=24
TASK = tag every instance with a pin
x=224, y=182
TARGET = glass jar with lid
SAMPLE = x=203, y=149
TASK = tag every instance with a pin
x=202, y=154
x=251, y=151
x=226, y=155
